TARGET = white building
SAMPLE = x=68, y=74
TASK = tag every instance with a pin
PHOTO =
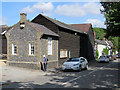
x=101, y=44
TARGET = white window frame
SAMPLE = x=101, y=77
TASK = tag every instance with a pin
x=14, y=49
x=31, y=49
x=50, y=46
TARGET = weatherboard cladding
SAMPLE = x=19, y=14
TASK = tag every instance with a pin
x=68, y=40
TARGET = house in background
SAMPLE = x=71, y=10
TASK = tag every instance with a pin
x=3, y=41
x=27, y=42
x=73, y=42
x=102, y=44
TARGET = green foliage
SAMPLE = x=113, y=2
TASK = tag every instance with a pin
x=111, y=12
x=115, y=41
x=100, y=33
x=28, y=20
x=105, y=50
x=97, y=54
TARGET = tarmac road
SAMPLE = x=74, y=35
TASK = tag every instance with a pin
x=99, y=75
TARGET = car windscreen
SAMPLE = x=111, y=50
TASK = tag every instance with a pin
x=102, y=56
x=73, y=60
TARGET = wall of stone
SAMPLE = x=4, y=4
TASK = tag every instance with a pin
x=25, y=65
x=44, y=48
x=22, y=38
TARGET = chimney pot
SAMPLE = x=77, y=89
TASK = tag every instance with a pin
x=23, y=17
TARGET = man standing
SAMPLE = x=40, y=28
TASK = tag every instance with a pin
x=45, y=62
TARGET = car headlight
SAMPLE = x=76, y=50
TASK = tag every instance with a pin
x=76, y=64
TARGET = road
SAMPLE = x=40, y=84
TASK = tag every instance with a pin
x=99, y=75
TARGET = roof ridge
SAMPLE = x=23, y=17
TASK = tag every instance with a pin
x=42, y=28
x=67, y=26
x=33, y=26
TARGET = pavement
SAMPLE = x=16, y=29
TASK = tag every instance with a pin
x=9, y=74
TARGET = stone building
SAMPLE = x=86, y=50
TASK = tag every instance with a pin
x=27, y=42
x=73, y=42
x=3, y=41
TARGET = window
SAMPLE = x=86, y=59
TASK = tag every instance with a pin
x=31, y=49
x=63, y=53
x=49, y=46
x=14, y=49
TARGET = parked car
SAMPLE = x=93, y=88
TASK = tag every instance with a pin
x=103, y=59
x=114, y=57
x=110, y=57
x=118, y=55
x=75, y=64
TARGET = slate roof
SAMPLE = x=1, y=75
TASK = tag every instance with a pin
x=103, y=42
x=4, y=29
x=61, y=24
x=45, y=30
x=82, y=27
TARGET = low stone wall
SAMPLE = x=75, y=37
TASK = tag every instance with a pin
x=24, y=65
x=52, y=64
x=30, y=65
x=3, y=56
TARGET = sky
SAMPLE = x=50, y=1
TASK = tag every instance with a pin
x=67, y=12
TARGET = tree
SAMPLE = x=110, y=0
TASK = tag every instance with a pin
x=28, y=20
x=115, y=41
x=111, y=12
x=100, y=33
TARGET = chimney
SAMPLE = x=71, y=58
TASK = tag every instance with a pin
x=22, y=20
x=23, y=17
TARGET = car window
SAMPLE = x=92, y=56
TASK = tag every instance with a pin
x=107, y=57
x=82, y=59
x=102, y=56
x=73, y=60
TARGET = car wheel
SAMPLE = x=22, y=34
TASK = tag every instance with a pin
x=86, y=67
x=80, y=68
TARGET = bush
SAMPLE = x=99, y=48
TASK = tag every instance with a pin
x=105, y=50
x=97, y=54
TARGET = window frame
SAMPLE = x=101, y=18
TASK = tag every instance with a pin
x=30, y=43
x=14, y=48
x=65, y=51
x=50, y=47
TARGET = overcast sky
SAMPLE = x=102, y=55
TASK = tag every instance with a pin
x=67, y=12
